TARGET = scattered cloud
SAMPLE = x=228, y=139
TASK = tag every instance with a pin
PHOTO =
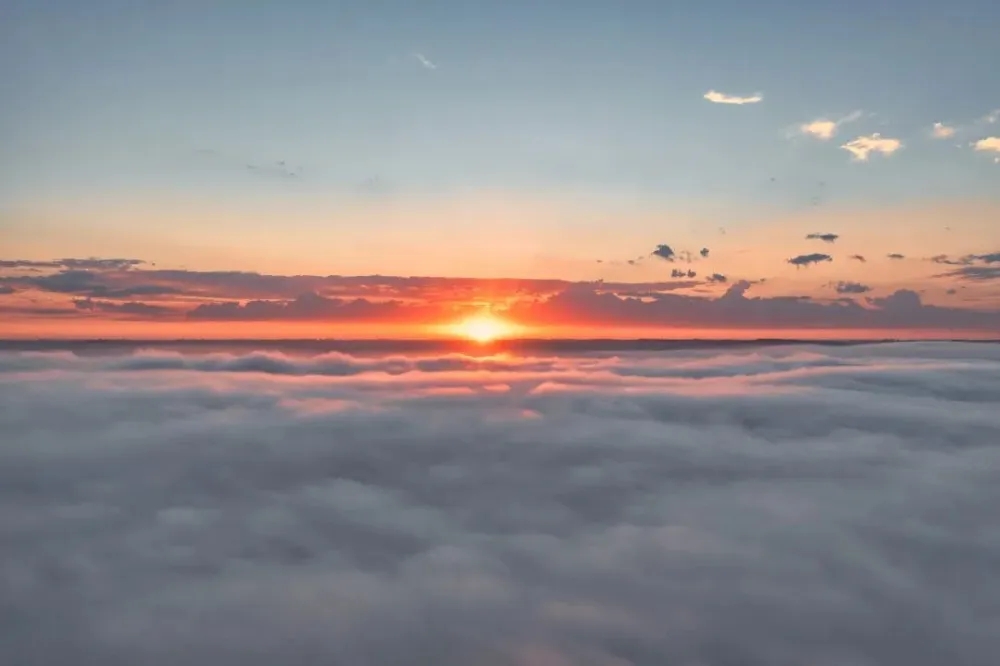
x=157, y=295
x=973, y=267
x=863, y=146
x=807, y=259
x=262, y=508
x=721, y=98
x=704, y=252
x=664, y=252
x=852, y=288
x=989, y=144
x=279, y=169
x=942, y=131
x=895, y=255
x=826, y=238
x=824, y=129
x=858, y=257
x=424, y=61
x=717, y=277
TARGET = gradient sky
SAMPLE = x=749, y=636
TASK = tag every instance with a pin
x=555, y=140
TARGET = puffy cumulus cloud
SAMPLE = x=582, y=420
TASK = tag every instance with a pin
x=824, y=129
x=747, y=505
x=989, y=144
x=717, y=97
x=862, y=147
x=664, y=252
x=942, y=131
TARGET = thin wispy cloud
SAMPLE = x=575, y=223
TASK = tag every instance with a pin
x=717, y=97
x=942, y=131
x=862, y=147
x=824, y=129
x=424, y=61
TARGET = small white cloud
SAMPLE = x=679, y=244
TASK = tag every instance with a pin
x=824, y=129
x=863, y=146
x=992, y=117
x=717, y=97
x=989, y=144
x=424, y=61
x=942, y=131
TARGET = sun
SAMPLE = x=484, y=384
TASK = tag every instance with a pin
x=484, y=328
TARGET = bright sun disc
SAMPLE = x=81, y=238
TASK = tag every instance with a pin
x=484, y=328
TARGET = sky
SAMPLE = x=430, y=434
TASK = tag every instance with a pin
x=315, y=157
x=779, y=506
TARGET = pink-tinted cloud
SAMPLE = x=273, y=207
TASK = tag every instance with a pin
x=117, y=289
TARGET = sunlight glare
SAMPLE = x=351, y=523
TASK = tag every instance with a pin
x=484, y=328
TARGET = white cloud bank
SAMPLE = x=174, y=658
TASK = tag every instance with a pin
x=784, y=505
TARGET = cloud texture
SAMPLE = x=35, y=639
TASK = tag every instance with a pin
x=783, y=505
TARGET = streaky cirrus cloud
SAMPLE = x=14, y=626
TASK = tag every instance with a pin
x=858, y=257
x=824, y=129
x=717, y=97
x=739, y=505
x=862, y=147
x=826, y=238
x=424, y=61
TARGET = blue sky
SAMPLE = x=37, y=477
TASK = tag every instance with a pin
x=107, y=101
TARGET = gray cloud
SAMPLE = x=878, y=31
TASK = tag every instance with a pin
x=895, y=255
x=807, y=505
x=826, y=238
x=858, y=257
x=704, y=252
x=717, y=277
x=664, y=252
x=851, y=288
x=807, y=259
x=679, y=273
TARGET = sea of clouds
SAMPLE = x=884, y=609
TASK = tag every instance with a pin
x=772, y=506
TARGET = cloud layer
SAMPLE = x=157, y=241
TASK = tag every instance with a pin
x=785, y=505
x=689, y=299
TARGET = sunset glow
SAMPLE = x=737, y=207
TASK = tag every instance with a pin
x=485, y=328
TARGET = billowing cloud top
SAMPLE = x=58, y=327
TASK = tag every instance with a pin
x=754, y=505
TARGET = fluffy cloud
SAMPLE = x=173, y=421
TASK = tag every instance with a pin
x=782, y=505
x=942, y=131
x=989, y=144
x=824, y=129
x=717, y=97
x=863, y=146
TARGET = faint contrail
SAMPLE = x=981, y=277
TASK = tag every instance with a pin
x=424, y=61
